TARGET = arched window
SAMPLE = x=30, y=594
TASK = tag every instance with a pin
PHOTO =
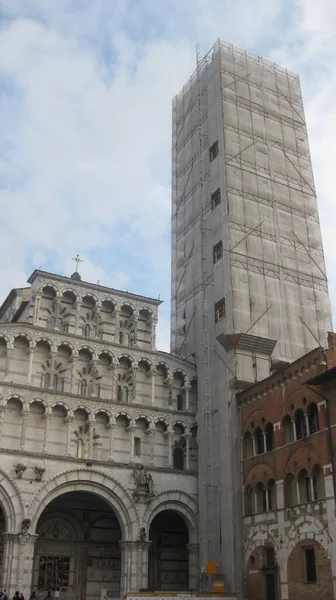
x=247, y=445
x=249, y=501
x=290, y=490
x=312, y=412
x=260, y=498
x=61, y=384
x=178, y=458
x=271, y=494
x=55, y=381
x=45, y=380
x=269, y=435
x=121, y=337
x=179, y=401
x=259, y=441
x=318, y=483
x=83, y=387
x=87, y=330
x=98, y=390
x=119, y=393
x=305, y=488
x=126, y=394
x=288, y=429
x=300, y=424
x=60, y=324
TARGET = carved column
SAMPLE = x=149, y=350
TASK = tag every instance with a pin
x=7, y=363
x=24, y=414
x=20, y=563
x=53, y=356
x=193, y=550
x=264, y=442
x=36, y=308
x=30, y=363
x=69, y=420
x=47, y=417
x=132, y=429
x=2, y=416
x=154, y=323
x=170, y=435
x=135, y=320
x=151, y=434
x=254, y=447
x=186, y=389
x=307, y=424
x=111, y=427
x=116, y=329
x=73, y=382
x=57, y=303
x=294, y=431
x=78, y=307
x=97, y=319
x=134, y=371
x=187, y=437
x=91, y=422
x=129, y=566
x=152, y=373
x=143, y=550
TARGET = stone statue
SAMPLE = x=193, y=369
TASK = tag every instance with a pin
x=144, y=483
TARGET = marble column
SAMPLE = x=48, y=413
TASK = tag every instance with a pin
x=254, y=446
x=91, y=422
x=78, y=307
x=30, y=364
x=47, y=417
x=143, y=560
x=187, y=437
x=186, y=389
x=152, y=374
x=2, y=416
x=129, y=567
x=18, y=562
x=264, y=442
x=294, y=431
x=151, y=433
x=132, y=428
x=193, y=550
x=73, y=383
x=111, y=427
x=69, y=420
x=36, y=308
x=116, y=329
x=154, y=323
x=7, y=363
x=170, y=435
x=24, y=414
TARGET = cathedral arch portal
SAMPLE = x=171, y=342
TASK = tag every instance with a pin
x=93, y=482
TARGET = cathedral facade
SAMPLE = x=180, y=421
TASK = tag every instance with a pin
x=98, y=444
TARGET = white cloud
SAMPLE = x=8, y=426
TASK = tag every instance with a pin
x=85, y=113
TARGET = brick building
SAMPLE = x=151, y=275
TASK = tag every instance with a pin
x=288, y=432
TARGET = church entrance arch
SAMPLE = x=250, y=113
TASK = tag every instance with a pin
x=77, y=549
x=168, y=553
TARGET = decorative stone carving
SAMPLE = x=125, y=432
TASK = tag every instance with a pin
x=39, y=472
x=25, y=525
x=144, y=485
x=19, y=470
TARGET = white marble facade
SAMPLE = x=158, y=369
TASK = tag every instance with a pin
x=98, y=445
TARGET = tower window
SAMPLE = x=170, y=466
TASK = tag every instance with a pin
x=310, y=565
x=217, y=252
x=137, y=446
x=215, y=198
x=213, y=151
x=219, y=310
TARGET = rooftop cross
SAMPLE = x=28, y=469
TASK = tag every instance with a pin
x=77, y=261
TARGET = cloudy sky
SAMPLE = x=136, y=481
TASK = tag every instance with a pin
x=85, y=121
